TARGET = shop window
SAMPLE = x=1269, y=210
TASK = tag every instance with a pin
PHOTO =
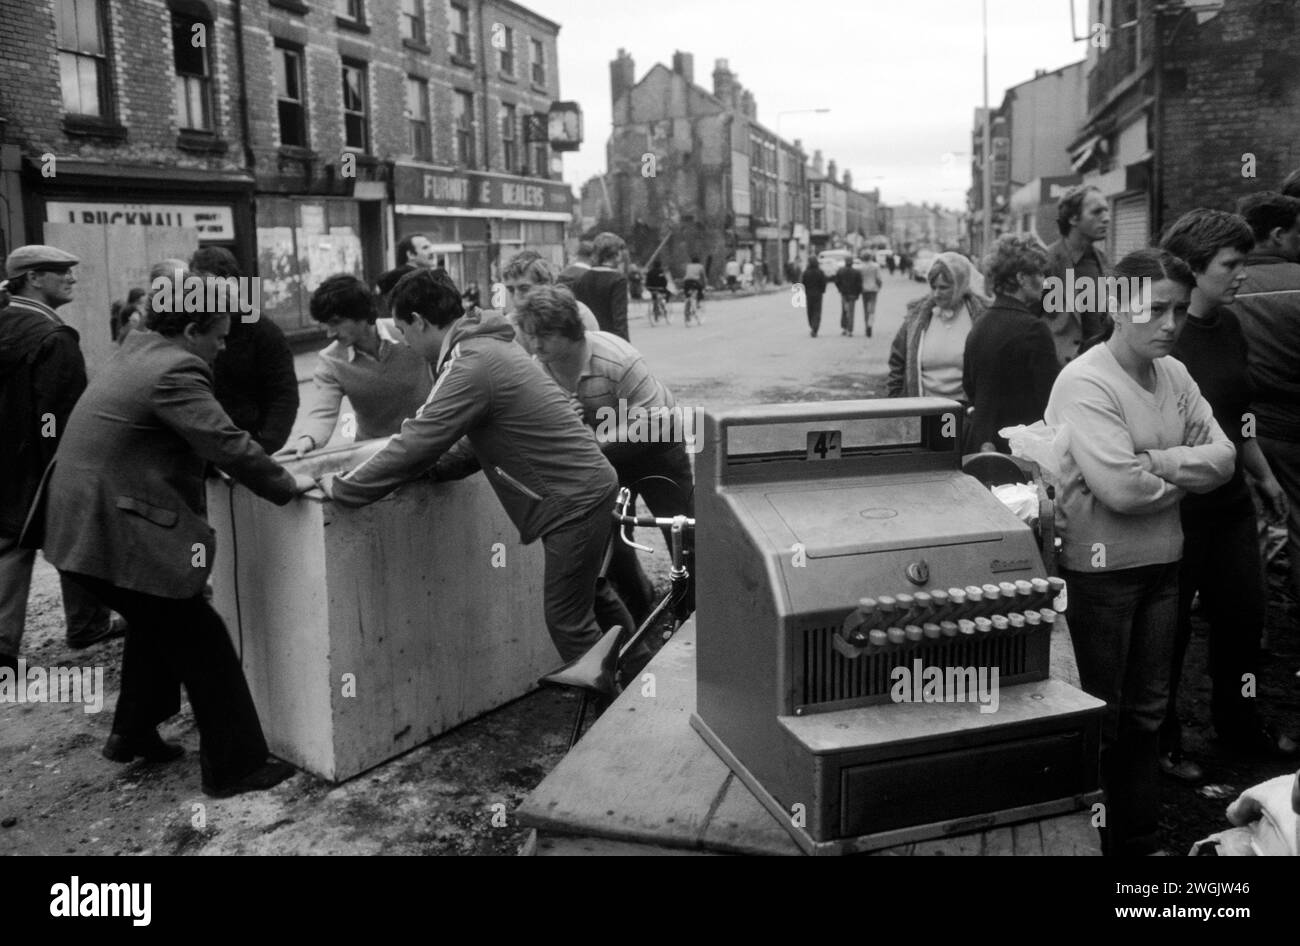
x=464, y=121
x=537, y=56
x=299, y=244
x=83, y=57
x=417, y=118
x=413, y=20
x=507, y=60
x=458, y=37
x=290, y=97
x=509, y=138
x=355, y=106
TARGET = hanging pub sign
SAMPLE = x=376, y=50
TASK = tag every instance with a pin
x=564, y=126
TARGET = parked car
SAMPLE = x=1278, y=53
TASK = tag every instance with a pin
x=921, y=264
x=831, y=260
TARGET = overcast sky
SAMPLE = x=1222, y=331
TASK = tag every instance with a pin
x=902, y=78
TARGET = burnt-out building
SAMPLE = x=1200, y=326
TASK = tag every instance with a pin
x=1188, y=104
x=695, y=170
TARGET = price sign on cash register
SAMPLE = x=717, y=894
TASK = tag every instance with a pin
x=823, y=445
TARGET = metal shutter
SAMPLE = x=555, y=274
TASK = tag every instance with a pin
x=1129, y=226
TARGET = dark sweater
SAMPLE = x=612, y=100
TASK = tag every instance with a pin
x=604, y=291
x=1007, y=373
x=1214, y=351
x=255, y=382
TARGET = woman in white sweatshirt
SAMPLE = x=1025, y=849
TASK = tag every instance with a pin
x=1135, y=437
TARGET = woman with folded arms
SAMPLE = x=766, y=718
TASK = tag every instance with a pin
x=1135, y=436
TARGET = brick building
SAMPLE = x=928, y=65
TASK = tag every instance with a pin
x=1189, y=104
x=696, y=171
x=273, y=127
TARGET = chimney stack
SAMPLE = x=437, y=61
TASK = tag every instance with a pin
x=817, y=162
x=684, y=65
x=747, y=105
x=622, y=76
x=831, y=168
x=848, y=178
x=724, y=83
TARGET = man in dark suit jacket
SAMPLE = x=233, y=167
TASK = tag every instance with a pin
x=1010, y=363
x=124, y=517
x=42, y=374
x=849, y=282
x=814, y=287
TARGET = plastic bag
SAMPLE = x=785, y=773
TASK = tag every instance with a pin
x=1037, y=442
x=1020, y=498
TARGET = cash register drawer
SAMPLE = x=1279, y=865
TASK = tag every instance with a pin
x=928, y=788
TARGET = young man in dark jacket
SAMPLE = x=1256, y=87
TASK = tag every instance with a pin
x=254, y=377
x=848, y=281
x=814, y=287
x=42, y=374
x=521, y=430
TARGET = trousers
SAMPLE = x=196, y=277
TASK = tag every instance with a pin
x=578, y=603
x=848, y=312
x=814, y=304
x=175, y=642
x=86, y=615
x=1284, y=459
x=1122, y=624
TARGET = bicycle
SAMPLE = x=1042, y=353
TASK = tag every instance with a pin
x=659, y=307
x=596, y=672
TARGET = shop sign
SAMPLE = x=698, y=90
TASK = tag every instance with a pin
x=215, y=224
x=474, y=191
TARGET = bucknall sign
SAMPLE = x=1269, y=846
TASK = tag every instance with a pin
x=474, y=191
x=215, y=223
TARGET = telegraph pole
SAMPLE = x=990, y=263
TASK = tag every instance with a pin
x=985, y=169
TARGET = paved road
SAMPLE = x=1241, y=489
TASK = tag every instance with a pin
x=755, y=349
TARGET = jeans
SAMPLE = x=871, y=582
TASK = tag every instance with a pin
x=848, y=312
x=579, y=604
x=1122, y=624
x=1284, y=459
x=86, y=616
x=1221, y=561
x=172, y=642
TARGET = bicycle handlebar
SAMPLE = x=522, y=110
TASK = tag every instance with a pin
x=623, y=519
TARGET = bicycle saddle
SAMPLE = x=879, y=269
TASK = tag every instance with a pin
x=594, y=670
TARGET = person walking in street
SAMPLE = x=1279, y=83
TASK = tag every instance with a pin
x=814, y=288
x=603, y=288
x=523, y=432
x=366, y=362
x=732, y=273
x=1135, y=436
x=1221, y=556
x=1083, y=217
x=871, y=284
x=42, y=376
x=1009, y=364
x=891, y=262
x=253, y=377
x=123, y=515
x=849, y=283
x=927, y=357
x=1268, y=306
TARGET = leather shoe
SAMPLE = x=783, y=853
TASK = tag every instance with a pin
x=1185, y=770
x=151, y=748
x=115, y=628
x=1261, y=741
x=269, y=774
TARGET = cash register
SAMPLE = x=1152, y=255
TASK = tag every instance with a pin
x=874, y=628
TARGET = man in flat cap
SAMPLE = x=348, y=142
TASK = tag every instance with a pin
x=42, y=374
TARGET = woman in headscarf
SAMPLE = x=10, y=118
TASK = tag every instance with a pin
x=926, y=357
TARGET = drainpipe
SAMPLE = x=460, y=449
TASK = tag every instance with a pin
x=249, y=160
